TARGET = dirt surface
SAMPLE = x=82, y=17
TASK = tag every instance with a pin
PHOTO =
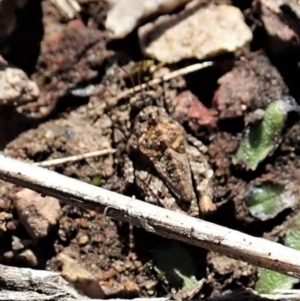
x=215, y=105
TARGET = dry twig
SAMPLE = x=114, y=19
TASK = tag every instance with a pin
x=158, y=220
x=60, y=161
x=292, y=294
x=159, y=80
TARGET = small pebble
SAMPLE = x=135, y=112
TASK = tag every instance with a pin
x=16, y=243
x=12, y=225
x=9, y=255
x=82, y=240
x=137, y=264
x=29, y=257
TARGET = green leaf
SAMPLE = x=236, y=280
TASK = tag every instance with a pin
x=269, y=280
x=261, y=139
x=292, y=236
x=267, y=200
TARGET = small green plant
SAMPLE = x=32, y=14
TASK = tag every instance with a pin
x=97, y=181
x=267, y=200
x=261, y=139
x=269, y=281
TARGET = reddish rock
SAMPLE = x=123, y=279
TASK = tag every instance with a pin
x=188, y=108
x=250, y=85
x=283, y=35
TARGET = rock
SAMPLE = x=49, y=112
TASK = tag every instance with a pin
x=28, y=257
x=189, y=34
x=188, y=108
x=277, y=16
x=12, y=225
x=16, y=88
x=37, y=214
x=18, y=244
x=9, y=255
x=125, y=15
x=82, y=239
x=250, y=85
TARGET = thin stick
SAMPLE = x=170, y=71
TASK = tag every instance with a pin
x=156, y=81
x=158, y=220
x=60, y=161
x=292, y=294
